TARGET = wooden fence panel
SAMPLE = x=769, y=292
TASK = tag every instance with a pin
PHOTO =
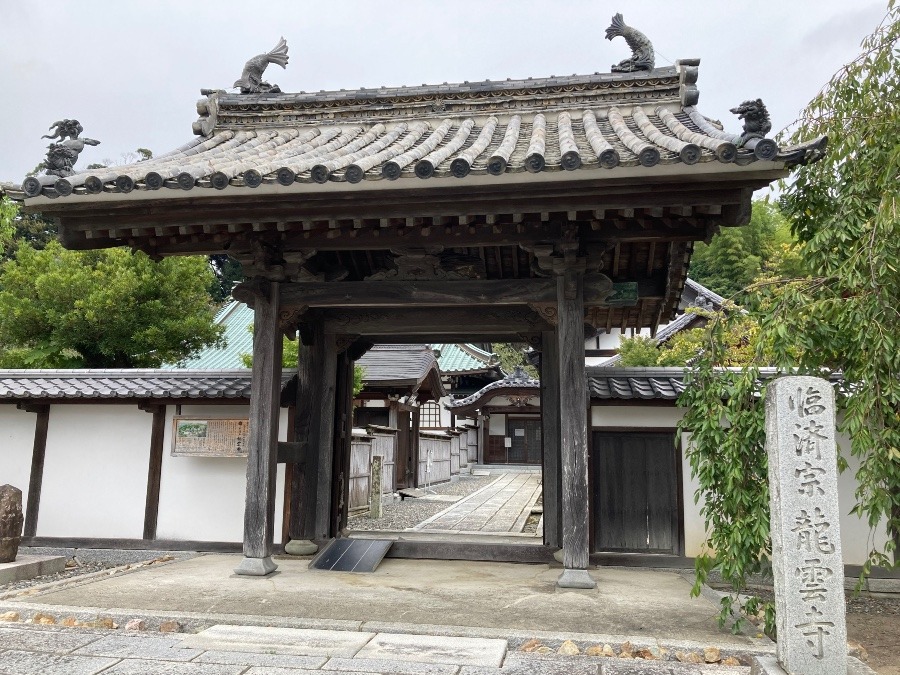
x=454, y=452
x=434, y=454
x=385, y=444
x=360, y=467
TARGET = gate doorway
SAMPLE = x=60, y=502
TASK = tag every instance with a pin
x=525, y=440
x=636, y=503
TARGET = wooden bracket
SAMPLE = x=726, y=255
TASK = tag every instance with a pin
x=149, y=407
x=252, y=290
x=32, y=407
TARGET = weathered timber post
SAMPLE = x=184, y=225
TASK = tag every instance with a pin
x=573, y=427
x=265, y=389
x=314, y=427
x=805, y=526
x=552, y=478
x=375, y=487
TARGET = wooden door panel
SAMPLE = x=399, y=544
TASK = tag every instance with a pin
x=634, y=492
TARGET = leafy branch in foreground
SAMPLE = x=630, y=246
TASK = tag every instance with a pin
x=844, y=317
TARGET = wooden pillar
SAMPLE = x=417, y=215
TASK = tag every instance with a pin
x=154, y=469
x=36, y=479
x=313, y=426
x=265, y=390
x=573, y=429
x=343, y=429
x=415, y=427
x=552, y=476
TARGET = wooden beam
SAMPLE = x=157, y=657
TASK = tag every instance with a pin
x=259, y=510
x=36, y=478
x=437, y=293
x=427, y=321
x=154, y=469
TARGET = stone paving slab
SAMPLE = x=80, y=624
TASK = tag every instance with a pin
x=30, y=566
x=296, y=641
x=262, y=670
x=262, y=660
x=156, y=667
x=16, y=662
x=60, y=642
x=139, y=647
x=390, y=667
x=435, y=649
x=636, y=667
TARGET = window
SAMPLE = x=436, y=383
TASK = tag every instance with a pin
x=430, y=415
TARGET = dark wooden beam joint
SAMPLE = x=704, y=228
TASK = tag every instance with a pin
x=251, y=291
x=32, y=407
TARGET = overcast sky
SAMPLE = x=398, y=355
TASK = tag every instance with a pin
x=131, y=71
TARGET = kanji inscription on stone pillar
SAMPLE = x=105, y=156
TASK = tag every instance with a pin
x=806, y=538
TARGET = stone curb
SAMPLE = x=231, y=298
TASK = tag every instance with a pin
x=193, y=622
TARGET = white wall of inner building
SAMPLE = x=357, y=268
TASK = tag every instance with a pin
x=857, y=539
x=202, y=498
x=16, y=443
x=95, y=472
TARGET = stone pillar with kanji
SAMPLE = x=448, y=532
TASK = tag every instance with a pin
x=805, y=526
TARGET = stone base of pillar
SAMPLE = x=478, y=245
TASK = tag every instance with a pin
x=575, y=579
x=256, y=567
x=300, y=547
x=558, y=556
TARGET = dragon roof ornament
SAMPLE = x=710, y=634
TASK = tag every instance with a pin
x=642, y=56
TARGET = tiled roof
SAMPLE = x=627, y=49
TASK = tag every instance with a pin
x=595, y=126
x=463, y=359
x=635, y=383
x=236, y=317
x=518, y=379
x=387, y=365
x=125, y=384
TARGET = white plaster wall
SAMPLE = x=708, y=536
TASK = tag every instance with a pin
x=497, y=425
x=95, y=471
x=857, y=538
x=16, y=444
x=202, y=498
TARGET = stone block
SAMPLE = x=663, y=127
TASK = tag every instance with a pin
x=30, y=566
x=571, y=578
x=58, y=641
x=435, y=649
x=535, y=664
x=297, y=641
x=11, y=521
x=389, y=667
x=36, y=663
x=262, y=660
x=141, y=667
x=805, y=523
x=137, y=646
x=256, y=567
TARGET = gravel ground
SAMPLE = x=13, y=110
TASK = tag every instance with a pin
x=410, y=512
x=75, y=570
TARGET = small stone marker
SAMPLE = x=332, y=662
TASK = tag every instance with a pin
x=11, y=521
x=375, y=487
x=805, y=525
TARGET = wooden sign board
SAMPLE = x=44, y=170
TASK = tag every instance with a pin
x=210, y=437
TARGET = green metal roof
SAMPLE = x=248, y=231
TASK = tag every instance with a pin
x=235, y=316
x=462, y=359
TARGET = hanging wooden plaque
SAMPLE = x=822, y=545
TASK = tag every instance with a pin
x=210, y=437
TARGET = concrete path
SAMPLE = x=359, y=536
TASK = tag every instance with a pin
x=501, y=507
x=409, y=617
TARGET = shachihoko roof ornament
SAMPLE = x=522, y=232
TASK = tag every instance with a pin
x=61, y=155
x=251, y=81
x=642, y=56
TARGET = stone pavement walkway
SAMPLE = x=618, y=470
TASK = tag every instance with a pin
x=27, y=649
x=502, y=507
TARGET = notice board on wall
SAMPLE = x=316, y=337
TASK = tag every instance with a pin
x=210, y=437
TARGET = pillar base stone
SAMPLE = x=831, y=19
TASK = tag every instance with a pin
x=558, y=556
x=575, y=579
x=300, y=547
x=256, y=567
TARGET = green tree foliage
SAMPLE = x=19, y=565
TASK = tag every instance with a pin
x=227, y=272
x=102, y=309
x=511, y=355
x=739, y=342
x=738, y=256
x=844, y=316
x=7, y=228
